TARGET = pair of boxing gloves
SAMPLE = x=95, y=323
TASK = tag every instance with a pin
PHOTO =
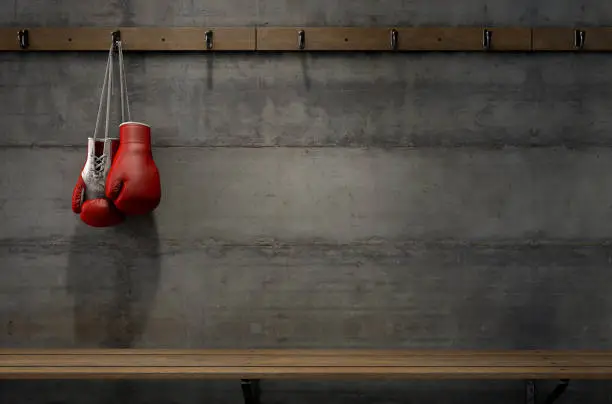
x=125, y=182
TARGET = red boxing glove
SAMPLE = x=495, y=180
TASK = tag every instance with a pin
x=88, y=197
x=133, y=182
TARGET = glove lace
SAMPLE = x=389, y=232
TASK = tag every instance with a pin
x=99, y=164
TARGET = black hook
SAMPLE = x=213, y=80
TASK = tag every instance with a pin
x=486, y=39
x=116, y=38
x=23, y=38
x=209, y=39
x=394, y=39
x=301, y=39
x=579, y=39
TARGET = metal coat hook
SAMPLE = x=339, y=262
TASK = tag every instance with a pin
x=23, y=38
x=209, y=39
x=394, y=39
x=579, y=39
x=486, y=39
x=116, y=38
x=301, y=39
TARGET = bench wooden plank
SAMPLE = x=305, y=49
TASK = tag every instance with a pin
x=297, y=359
x=306, y=373
x=307, y=352
x=304, y=364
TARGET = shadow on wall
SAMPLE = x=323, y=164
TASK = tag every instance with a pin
x=210, y=66
x=113, y=275
x=305, y=71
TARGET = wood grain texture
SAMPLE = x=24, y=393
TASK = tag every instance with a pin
x=324, y=39
x=308, y=364
x=463, y=39
x=598, y=39
x=510, y=39
x=8, y=39
x=188, y=39
x=379, y=39
x=553, y=39
x=133, y=38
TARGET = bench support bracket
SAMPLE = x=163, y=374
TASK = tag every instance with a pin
x=558, y=391
x=531, y=392
x=250, y=391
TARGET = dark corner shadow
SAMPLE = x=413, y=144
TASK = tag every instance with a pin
x=113, y=275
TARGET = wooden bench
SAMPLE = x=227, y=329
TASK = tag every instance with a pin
x=250, y=366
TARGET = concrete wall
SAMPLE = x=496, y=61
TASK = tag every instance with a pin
x=423, y=200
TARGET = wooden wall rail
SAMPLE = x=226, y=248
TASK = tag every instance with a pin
x=401, y=39
x=562, y=39
x=406, y=39
x=133, y=39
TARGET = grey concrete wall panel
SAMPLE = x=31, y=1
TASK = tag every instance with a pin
x=131, y=287
x=137, y=13
x=573, y=13
x=244, y=194
x=295, y=100
x=393, y=12
x=274, y=12
x=7, y=12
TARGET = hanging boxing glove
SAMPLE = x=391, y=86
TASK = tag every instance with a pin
x=133, y=182
x=88, y=199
